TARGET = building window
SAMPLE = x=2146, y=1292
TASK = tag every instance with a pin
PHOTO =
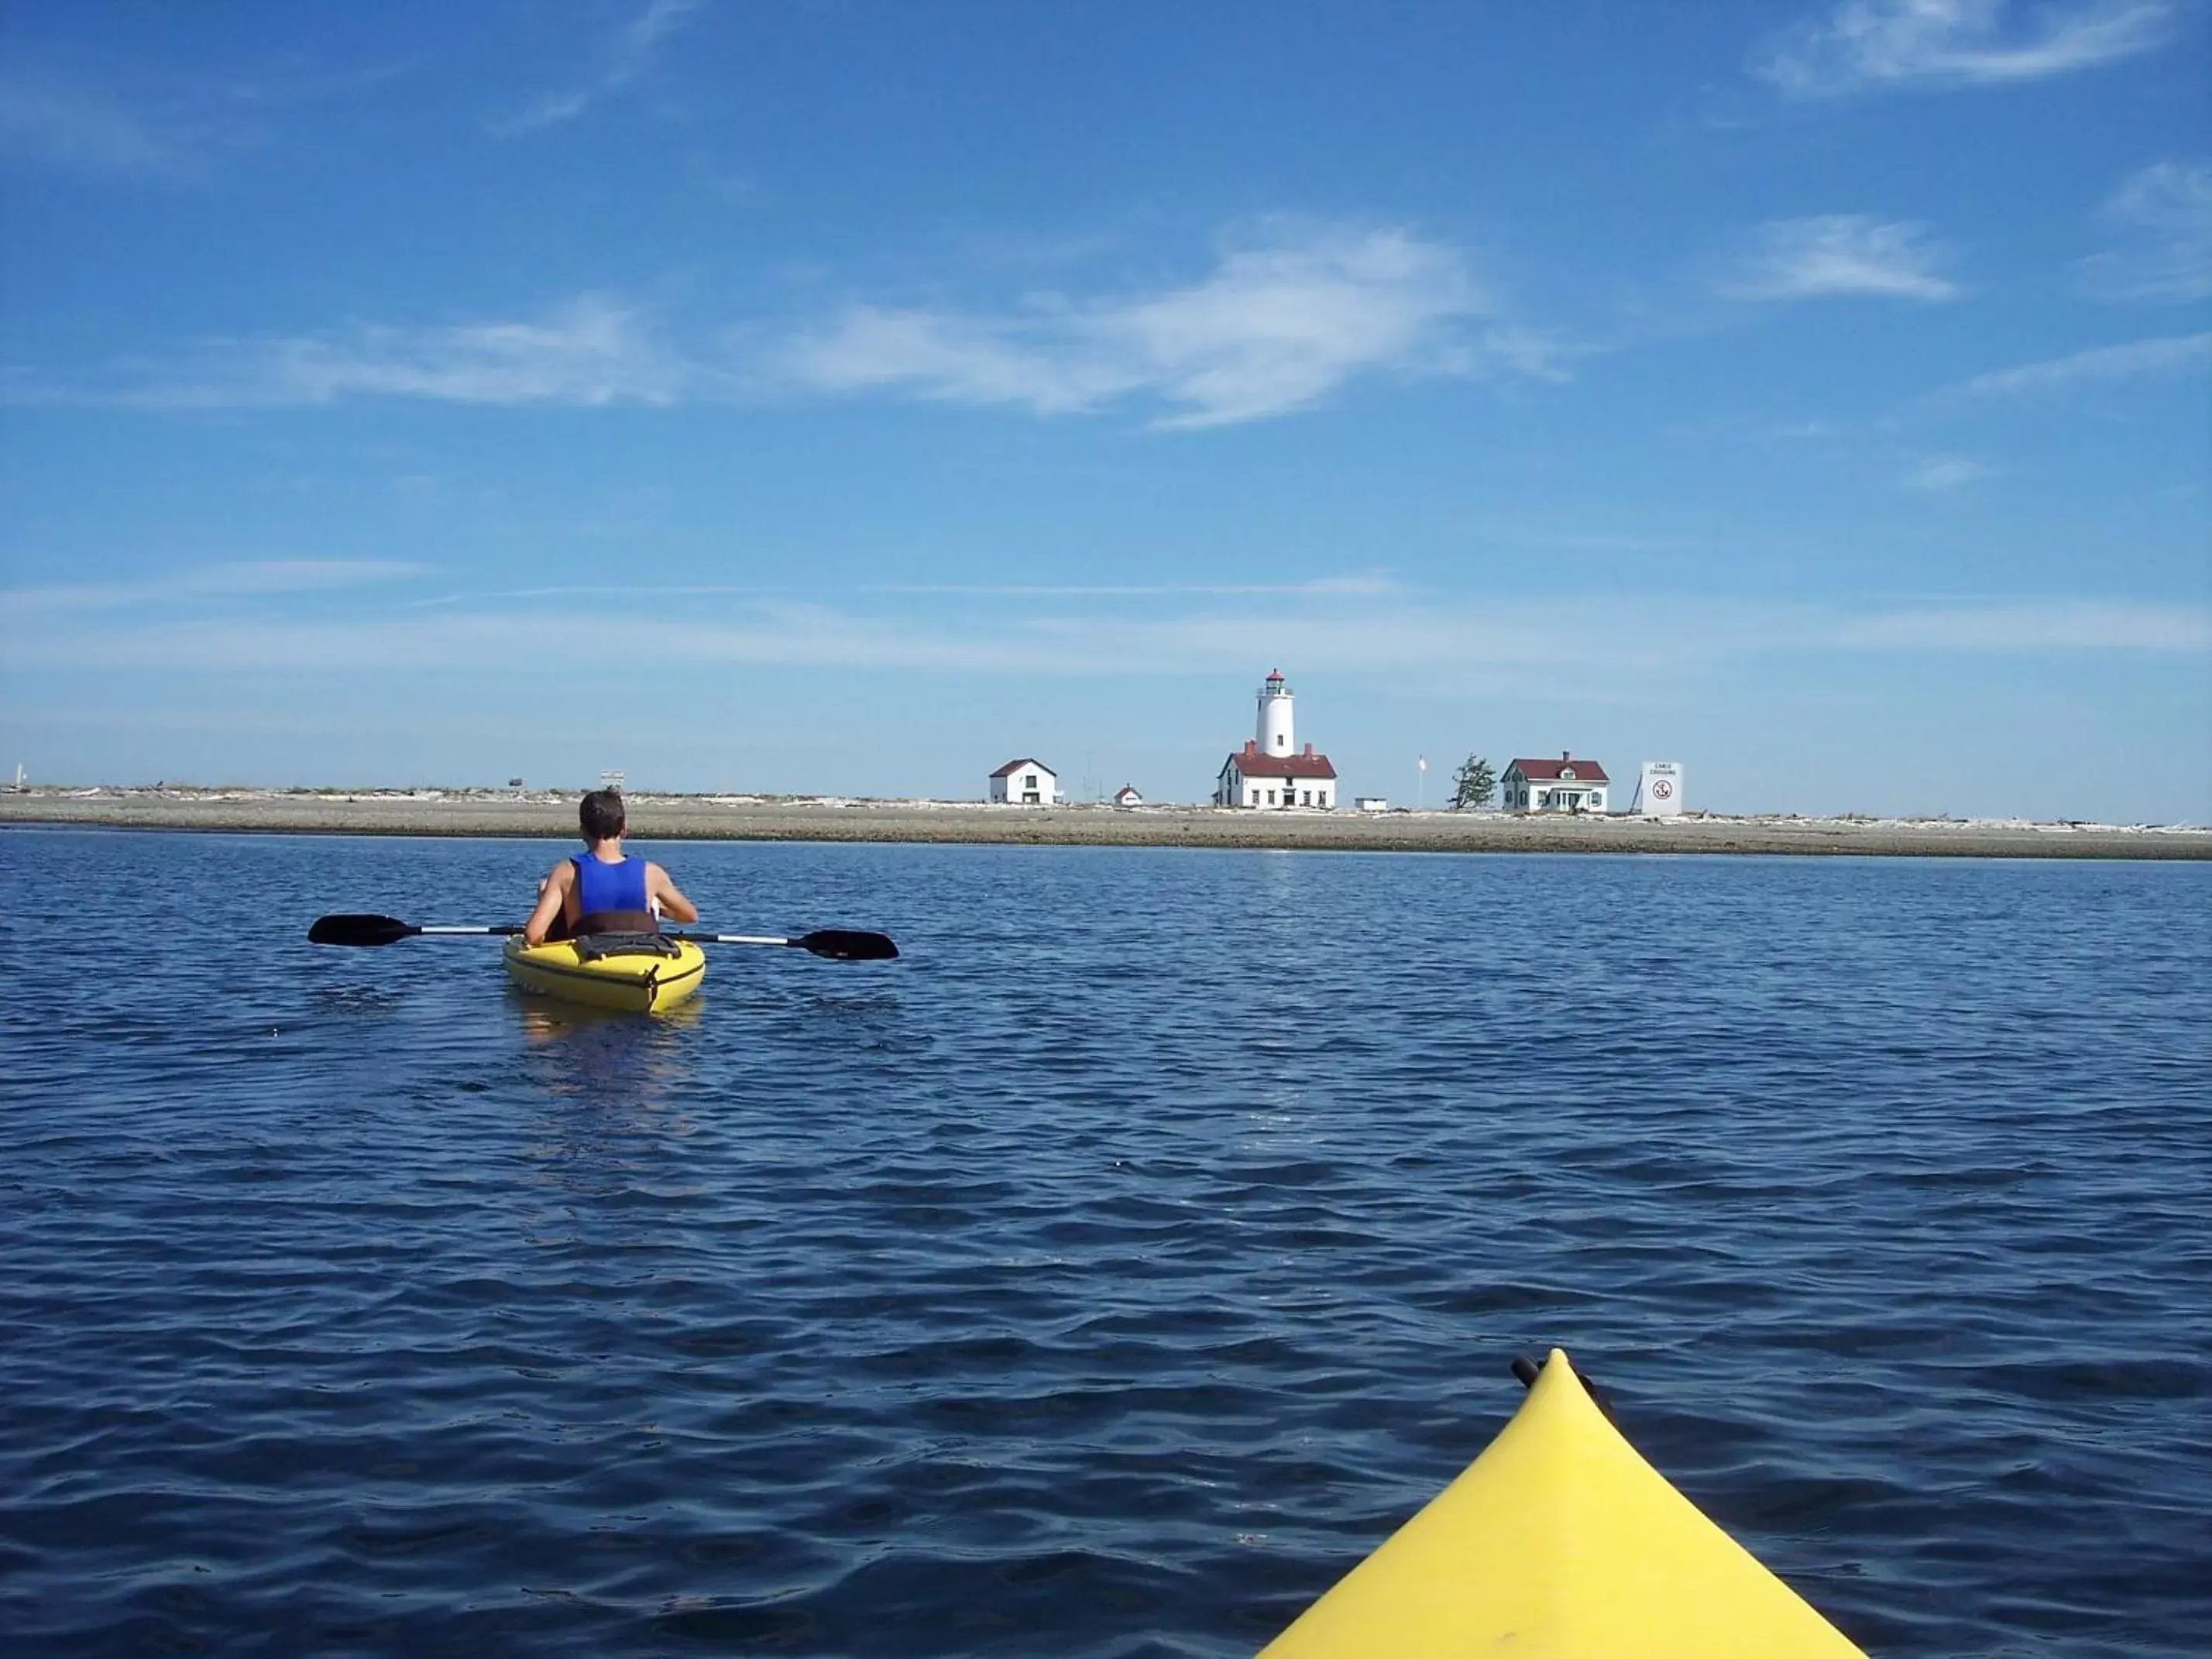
x=1305, y=798
x=1254, y=801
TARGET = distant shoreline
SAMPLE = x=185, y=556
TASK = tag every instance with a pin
x=767, y=817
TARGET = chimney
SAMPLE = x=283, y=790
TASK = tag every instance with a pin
x=1566, y=754
x=1309, y=749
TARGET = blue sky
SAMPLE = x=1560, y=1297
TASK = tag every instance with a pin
x=821, y=396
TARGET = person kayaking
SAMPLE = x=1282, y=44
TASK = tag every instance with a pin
x=603, y=890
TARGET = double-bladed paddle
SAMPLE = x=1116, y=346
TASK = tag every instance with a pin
x=837, y=944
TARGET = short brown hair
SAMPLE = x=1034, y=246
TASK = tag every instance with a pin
x=601, y=815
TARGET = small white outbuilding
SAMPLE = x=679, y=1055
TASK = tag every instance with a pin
x=1024, y=782
x=1126, y=795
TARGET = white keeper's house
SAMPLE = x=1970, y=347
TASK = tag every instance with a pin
x=1025, y=783
x=1564, y=785
x=1269, y=770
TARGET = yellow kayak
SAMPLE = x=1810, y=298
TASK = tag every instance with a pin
x=1560, y=1542
x=640, y=982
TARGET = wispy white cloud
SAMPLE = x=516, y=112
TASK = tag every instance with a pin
x=164, y=127
x=2173, y=355
x=52, y=122
x=1939, y=474
x=955, y=359
x=1873, y=46
x=2032, y=628
x=1382, y=634
x=2162, y=216
x=589, y=351
x=628, y=57
x=1371, y=583
x=1279, y=325
x=252, y=578
x=1840, y=254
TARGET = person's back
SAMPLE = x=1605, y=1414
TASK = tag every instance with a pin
x=603, y=890
x=612, y=897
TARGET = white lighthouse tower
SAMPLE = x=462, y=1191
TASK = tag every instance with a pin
x=1275, y=716
x=1268, y=771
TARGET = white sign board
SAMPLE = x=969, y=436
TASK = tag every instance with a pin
x=1659, y=791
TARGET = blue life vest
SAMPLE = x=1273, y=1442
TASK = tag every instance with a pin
x=609, y=886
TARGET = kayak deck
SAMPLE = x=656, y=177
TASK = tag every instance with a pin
x=1561, y=1541
x=629, y=984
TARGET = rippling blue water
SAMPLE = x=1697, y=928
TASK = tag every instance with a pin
x=1108, y=1274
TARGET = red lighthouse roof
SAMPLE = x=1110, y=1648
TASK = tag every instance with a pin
x=1254, y=764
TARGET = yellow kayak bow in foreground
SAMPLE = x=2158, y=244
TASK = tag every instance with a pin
x=1560, y=1542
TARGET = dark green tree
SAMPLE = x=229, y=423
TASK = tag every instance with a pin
x=1475, y=784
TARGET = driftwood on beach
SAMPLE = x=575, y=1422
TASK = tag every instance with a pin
x=749, y=818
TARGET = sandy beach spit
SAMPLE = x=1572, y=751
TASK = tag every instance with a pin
x=765, y=818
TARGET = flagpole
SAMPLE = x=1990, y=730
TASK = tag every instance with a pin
x=1421, y=789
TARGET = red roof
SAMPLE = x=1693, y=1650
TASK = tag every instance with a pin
x=1549, y=771
x=1012, y=767
x=1253, y=764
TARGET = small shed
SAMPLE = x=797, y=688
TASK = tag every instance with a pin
x=1126, y=795
x=1024, y=782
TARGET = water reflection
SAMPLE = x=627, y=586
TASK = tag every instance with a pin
x=614, y=1091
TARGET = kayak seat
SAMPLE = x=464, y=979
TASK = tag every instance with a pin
x=595, y=947
x=603, y=921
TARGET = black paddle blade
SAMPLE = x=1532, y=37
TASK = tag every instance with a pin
x=359, y=930
x=842, y=945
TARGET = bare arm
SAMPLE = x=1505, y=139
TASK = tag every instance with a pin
x=552, y=893
x=667, y=896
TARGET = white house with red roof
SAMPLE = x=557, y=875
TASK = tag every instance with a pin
x=1024, y=782
x=1270, y=770
x=1564, y=785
